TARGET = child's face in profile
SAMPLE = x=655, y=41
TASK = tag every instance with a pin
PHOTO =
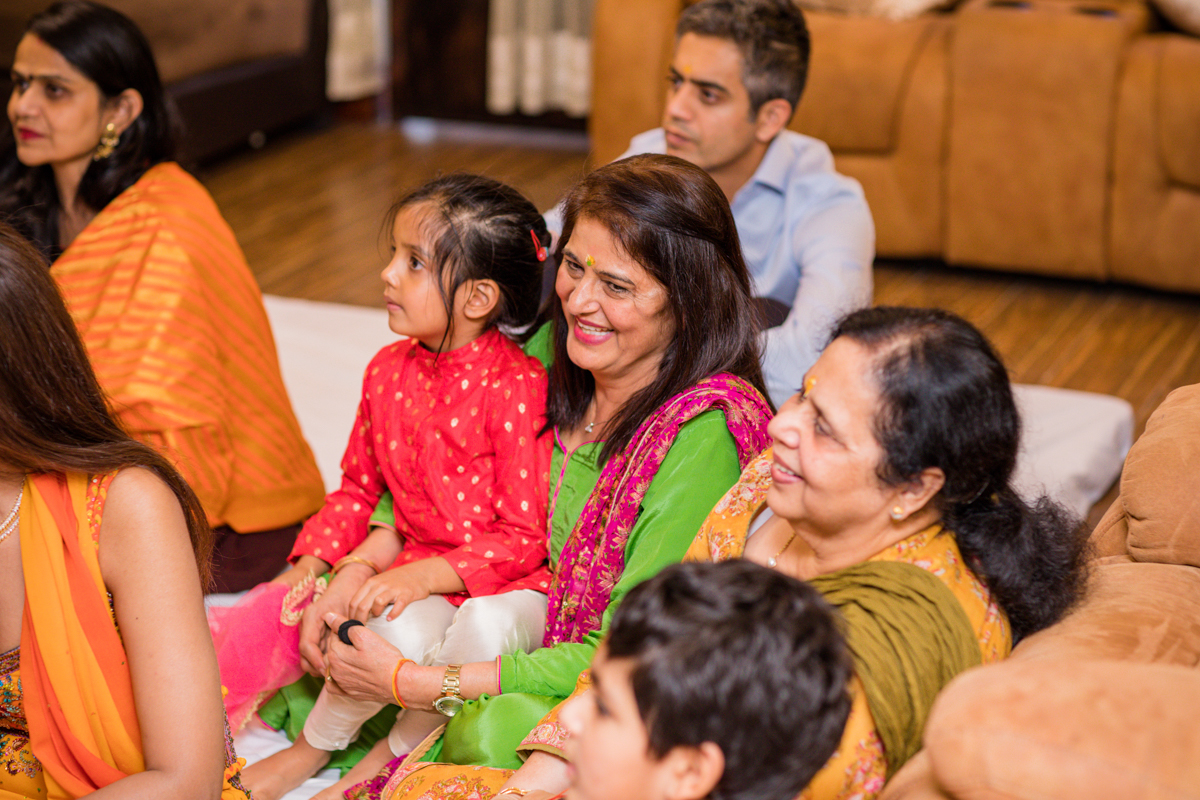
x=609, y=749
x=414, y=304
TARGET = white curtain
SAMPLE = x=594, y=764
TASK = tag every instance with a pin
x=359, y=49
x=539, y=56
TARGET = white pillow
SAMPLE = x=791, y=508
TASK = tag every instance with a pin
x=888, y=9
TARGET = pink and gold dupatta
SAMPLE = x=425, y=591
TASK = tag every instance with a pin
x=593, y=556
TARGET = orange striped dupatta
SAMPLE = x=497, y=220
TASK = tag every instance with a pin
x=78, y=694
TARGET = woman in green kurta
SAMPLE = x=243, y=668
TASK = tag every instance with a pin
x=656, y=401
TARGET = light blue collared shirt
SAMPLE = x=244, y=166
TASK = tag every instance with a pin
x=809, y=242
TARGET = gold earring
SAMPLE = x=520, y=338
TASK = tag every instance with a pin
x=108, y=142
x=897, y=513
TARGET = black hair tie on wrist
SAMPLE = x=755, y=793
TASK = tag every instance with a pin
x=344, y=630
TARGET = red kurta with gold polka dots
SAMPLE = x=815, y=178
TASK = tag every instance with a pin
x=454, y=437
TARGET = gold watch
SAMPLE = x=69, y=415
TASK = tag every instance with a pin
x=450, y=701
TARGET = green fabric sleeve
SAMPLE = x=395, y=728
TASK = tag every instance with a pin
x=541, y=345
x=385, y=512
x=700, y=467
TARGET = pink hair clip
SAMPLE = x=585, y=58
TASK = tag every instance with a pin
x=537, y=243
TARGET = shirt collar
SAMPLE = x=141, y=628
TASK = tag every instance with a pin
x=772, y=170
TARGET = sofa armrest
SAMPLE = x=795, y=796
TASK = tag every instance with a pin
x=1068, y=730
x=1132, y=612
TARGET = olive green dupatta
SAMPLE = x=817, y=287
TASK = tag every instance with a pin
x=909, y=636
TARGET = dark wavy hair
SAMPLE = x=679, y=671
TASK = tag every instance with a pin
x=673, y=220
x=53, y=415
x=110, y=50
x=946, y=402
x=742, y=656
x=485, y=230
x=771, y=36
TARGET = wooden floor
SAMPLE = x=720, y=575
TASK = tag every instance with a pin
x=307, y=209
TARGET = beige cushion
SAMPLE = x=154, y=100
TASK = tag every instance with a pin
x=1160, y=485
x=1132, y=612
x=851, y=102
x=1068, y=731
x=1179, y=106
x=1029, y=154
x=1156, y=165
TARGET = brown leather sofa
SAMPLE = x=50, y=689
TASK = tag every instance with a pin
x=1059, y=137
x=1105, y=703
x=237, y=69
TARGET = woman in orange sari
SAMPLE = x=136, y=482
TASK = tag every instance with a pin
x=172, y=319
x=108, y=680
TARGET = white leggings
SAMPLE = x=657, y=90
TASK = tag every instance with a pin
x=432, y=632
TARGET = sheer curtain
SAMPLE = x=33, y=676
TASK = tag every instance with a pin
x=539, y=56
x=359, y=48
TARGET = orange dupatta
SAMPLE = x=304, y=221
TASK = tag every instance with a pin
x=76, y=685
x=78, y=694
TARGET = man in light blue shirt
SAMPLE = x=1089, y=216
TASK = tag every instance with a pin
x=735, y=79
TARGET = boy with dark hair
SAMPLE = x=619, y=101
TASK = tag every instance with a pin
x=724, y=681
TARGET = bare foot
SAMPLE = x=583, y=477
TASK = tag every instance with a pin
x=375, y=760
x=275, y=776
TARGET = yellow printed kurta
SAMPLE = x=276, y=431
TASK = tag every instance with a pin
x=858, y=768
x=175, y=327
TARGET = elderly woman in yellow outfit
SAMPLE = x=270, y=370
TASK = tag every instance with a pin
x=889, y=488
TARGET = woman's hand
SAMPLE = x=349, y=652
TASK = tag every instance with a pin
x=313, y=633
x=305, y=566
x=362, y=670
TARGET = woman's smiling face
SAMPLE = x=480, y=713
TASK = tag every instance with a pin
x=619, y=324
x=825, y=476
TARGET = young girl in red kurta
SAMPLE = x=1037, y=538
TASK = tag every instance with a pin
x=449, y=424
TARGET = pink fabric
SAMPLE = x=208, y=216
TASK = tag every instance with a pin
x=454, y=437
x=258, y=646
x=593, y=556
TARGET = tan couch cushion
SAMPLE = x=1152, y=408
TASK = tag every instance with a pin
x=1156, y=164
x=1160, y=485
x=1179, y=108
x=1068, y=731
x=860, y=70
x=1033, y=102
x=1132, y=612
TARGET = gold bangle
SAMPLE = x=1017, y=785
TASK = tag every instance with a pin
x=396, y=674
x=346, y=560
x=513, y=791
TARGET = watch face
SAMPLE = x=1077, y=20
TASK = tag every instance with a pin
x=448, y=706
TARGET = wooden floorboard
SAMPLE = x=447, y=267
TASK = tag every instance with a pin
x=308, y=208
